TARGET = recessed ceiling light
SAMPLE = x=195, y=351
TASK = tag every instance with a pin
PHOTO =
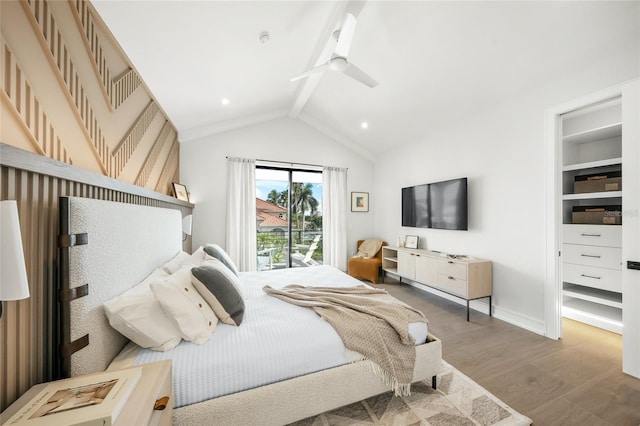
x=225, y=101
x=364, y=125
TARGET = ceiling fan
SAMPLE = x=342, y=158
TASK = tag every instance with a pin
x=338, y=61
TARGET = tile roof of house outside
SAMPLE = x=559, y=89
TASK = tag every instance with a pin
x=270, y=215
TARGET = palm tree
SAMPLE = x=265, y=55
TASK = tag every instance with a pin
x=273, y=197
x=283, y=198
x=303, y=196
x=313, y=204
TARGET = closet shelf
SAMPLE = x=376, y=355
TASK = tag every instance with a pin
x=594, y=295
x=593, y=164
x=591, y=135
x=592, y=195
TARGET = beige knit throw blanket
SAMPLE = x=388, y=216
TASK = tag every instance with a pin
x=368, y=248
x=370, y=322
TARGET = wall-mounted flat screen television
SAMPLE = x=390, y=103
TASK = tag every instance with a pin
x=441, y=205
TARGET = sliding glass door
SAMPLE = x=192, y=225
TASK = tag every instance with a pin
x=288, y=217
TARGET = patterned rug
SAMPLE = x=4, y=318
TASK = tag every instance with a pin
x=458, y=401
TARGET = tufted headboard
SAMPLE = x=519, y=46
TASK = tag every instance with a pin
x=109, y=247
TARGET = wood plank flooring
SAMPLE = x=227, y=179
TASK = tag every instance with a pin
x=577, y=380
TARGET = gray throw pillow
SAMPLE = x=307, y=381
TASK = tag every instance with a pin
x=219, y=253
x=219, y=287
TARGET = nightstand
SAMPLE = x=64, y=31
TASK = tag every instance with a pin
x=154, y=384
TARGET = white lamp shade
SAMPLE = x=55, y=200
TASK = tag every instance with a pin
x=13, y=273
x=186, y=224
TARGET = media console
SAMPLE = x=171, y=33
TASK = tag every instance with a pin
x=465, y=277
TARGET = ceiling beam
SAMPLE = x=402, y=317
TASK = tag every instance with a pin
x=324, y=49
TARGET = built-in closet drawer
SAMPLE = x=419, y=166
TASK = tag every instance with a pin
x=593, y=235
x=602, y=278
x=597, y=256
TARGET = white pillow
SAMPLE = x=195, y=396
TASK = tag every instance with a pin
x=182, y=303
x=137, y=315
x=195, y=259
x=174, y=264
x=219, y=253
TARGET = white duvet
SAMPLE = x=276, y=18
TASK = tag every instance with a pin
x=276, y=341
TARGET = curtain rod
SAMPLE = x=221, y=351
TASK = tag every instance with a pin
x=289, y=163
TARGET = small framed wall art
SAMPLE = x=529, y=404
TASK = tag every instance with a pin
x=411, y=241
x=180, y=191
x=359, y=201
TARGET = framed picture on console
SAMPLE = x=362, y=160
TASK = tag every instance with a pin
x=411, y=241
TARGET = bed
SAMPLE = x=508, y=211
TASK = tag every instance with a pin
x=292, y=383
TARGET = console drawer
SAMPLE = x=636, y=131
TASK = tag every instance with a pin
x=602, y=278
x=451, y=268
x=600, y=257
x=452, y=285
x=593, y=235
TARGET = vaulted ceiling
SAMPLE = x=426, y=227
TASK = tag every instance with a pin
x=435, y=61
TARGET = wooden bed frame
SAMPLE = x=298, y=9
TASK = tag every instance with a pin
x=103, y=268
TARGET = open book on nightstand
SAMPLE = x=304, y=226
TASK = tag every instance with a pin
x=112, y=397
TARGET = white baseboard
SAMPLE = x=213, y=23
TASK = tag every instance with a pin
x=522, y=321
x=482, y=305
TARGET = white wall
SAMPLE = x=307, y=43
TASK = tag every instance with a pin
x=501, y=150
x=204, y=172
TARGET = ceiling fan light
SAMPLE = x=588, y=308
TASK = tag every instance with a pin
x=338, y=64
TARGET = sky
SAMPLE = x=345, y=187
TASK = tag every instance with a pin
x=268, y=179
x=263, y=187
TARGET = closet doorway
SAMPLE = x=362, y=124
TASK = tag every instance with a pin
x=593, y=199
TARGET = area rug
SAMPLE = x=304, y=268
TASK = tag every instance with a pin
x=457, y=401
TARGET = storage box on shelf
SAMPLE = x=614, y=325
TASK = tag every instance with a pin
x=598, y=182
x=597, y=215
x=465, y=277
x=592, y=215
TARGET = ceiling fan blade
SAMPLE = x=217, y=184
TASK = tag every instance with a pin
x=357, y=74
x=307, y=73
x=346, y=35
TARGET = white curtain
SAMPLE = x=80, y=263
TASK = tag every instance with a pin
x=241, y=213
x=334, y=217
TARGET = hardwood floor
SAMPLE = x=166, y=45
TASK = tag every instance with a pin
x=577, y=380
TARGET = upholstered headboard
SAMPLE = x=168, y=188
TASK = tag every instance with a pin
x=109, y=247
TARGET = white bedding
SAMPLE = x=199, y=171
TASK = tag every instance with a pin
x=266, y=347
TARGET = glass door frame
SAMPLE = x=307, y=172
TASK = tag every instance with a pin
x=290, y=170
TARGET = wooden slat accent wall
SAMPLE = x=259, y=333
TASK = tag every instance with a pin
x=17, y=92
x=78, y=60
x=28, y=328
